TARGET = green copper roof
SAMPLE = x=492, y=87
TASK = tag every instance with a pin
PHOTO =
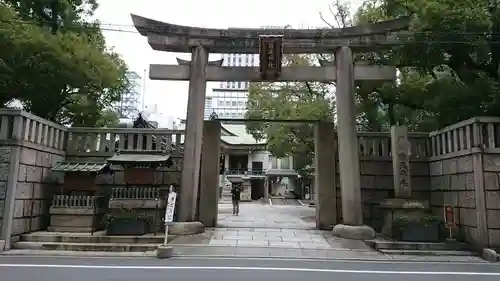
x=79, y=167
x=240, y=135
x=142, y=156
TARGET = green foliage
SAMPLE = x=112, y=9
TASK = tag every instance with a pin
x=449, y=64
x=57, y=64
x=125, y=214
x=289, y=101
x=401, y=221
x=448, y=72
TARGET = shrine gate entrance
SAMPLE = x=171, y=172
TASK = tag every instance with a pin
x=202, y=139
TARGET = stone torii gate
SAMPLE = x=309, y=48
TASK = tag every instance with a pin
x=342, y=42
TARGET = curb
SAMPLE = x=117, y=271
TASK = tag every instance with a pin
x=153, y=255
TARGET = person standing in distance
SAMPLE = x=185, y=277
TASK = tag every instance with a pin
x=236, y=194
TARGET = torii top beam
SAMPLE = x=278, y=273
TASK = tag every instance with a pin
x=178, y=38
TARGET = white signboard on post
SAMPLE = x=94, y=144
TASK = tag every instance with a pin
x=169, y=212
x=169, y=215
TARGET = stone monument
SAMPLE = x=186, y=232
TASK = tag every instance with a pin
x=402, y=205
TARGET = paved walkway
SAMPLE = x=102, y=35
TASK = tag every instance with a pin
x=276, y=226
x=262, y=230
x=258, y=215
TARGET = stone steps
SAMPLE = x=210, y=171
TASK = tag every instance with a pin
x=400, y=245
x=64, y=241
x=421, y=248
x=85, y=238
x=85, y=247
x=428, y=252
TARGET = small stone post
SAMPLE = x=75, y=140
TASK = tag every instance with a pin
x=401, y=152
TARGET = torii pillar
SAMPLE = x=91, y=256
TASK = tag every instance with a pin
x=190, y=176
x=348, y=147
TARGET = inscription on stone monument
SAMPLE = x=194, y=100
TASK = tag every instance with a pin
x=403, y=165
x=401, y=151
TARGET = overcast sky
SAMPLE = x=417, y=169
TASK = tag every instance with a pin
x=172, y=96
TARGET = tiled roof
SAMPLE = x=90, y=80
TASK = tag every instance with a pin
x=139, y=157
x=240, y=135
x=79, y=167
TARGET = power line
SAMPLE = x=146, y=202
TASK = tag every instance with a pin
x=116, y=28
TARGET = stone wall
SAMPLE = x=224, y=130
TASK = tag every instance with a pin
x=491, y=166
x=452, y=183
x=35, y=187
x=32, y=145
x=5, y=153
x=377, y=184
x=377, y=173
x=465, y=166
x=458, y=166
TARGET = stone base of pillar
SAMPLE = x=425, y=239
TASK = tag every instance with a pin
x=164, y=252
x=357, y=232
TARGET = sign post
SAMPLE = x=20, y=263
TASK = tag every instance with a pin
x=164, y=251
x=449, y=219
x=169, y=212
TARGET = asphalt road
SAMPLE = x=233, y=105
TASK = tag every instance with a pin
x=239, y=269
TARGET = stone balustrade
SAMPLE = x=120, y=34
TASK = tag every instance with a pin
x=135, y=193
x=76, y=213
x=107, y=141
x=136, y=198
x=20, y=125
x=378, y=144
x=74, y=201
x=475, y=133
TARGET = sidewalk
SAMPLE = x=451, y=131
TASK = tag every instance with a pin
x=209, y=252
x=315, y=254
x=265, y=231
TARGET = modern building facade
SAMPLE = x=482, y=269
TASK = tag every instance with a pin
x=228, y=100
x=245, y=161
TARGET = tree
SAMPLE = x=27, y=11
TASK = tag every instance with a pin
x=449, y=62
x=59, y=69
x=289, y=101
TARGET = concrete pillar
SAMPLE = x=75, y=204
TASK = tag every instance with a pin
x=226, y=162
x=352, y=208
x=210, y=173
x=10, y=194
x=249, y=161
x=324, y=136
x=266, y=188
x=190, y=176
